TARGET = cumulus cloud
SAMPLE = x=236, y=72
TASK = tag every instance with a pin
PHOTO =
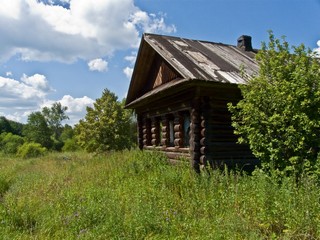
x=128, y=72
x=76, y=107
x=68, y=30
x=132, y=58
x=31, y=88
x=98, y=64
x=317, y=50
x=37, y=81
x=21, y=97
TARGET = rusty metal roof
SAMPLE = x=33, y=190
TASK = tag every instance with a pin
x=194, y=59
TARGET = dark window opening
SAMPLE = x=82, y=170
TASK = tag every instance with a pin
x=186, y=129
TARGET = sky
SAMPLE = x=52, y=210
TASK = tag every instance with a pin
x=69, y=51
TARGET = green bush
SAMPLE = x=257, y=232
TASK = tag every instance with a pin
x=28, y=150
x=279, y=114
x=10, y=143
x=70, y=145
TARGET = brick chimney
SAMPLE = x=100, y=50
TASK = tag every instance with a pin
x=244, y=42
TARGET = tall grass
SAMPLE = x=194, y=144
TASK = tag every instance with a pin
x=138, y=195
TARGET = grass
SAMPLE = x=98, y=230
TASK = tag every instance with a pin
x=137, y=195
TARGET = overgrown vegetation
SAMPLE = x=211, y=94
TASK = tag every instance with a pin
x=107, y=126
x=279, y=115
x=137, y=195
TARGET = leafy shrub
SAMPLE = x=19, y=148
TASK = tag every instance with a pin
x=279, y=114
x=10, y=143
x=57, y=145
x=28, y=150
x=70, y=145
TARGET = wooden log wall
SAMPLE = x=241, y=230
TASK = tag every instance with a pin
x=178, y=130
x=155, y=132
x=165, y=140
x=140, y=131
x=146, y=132
x=205, y=115
x=195, y=134
x=221, y=143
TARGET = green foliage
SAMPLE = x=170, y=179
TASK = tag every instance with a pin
x=30, y=150
x=138, y=195
x=5, y=125
x=54, y=116
x=279, y=116
x=37, y=130
x=10, y=126
x=67, y=133
x=10, y=143
x=106, y=126
x=71, y=145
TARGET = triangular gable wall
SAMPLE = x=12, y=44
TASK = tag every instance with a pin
x=161, y=73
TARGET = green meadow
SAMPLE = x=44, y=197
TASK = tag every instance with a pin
x=138, y=195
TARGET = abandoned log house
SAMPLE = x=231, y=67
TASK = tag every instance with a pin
x=180, y=89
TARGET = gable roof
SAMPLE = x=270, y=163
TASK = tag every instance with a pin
x=185, y=60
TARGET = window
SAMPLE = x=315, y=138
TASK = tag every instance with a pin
x=171, y=133
x=186, y=129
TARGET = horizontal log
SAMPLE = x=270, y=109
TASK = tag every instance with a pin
x=177, y=155
x=214, y=127
x=177, y=128
x=164, y=142
x=203, y=123
x=203, y=160
x=229, y=155
x=154, y=130
x=174, y=149
x=203, y=141
x=155, y=142
x=203, y=150
x=164, y=128
x=203, y=132
x=178, y=135
x=178, y=142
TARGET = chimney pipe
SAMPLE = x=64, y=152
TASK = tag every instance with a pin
x=244, y=42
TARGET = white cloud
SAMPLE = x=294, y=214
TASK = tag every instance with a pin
x=317, y=50
x=132, y=58
x=128, y=72
x=98, y=64
x=21, y=97
x=76, y=107
x=37, y=81
x=28, y=89
x=8, y=74
x=75, y=29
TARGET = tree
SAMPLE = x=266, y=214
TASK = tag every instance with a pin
x=106, y=126
x=279, y=115
x=54, y=116
x=5, y=125
x=9, y=143
x=37, y=130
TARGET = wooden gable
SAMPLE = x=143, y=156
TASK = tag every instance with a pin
x=161, y=73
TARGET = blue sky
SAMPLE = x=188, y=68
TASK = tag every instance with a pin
x=70, y=50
